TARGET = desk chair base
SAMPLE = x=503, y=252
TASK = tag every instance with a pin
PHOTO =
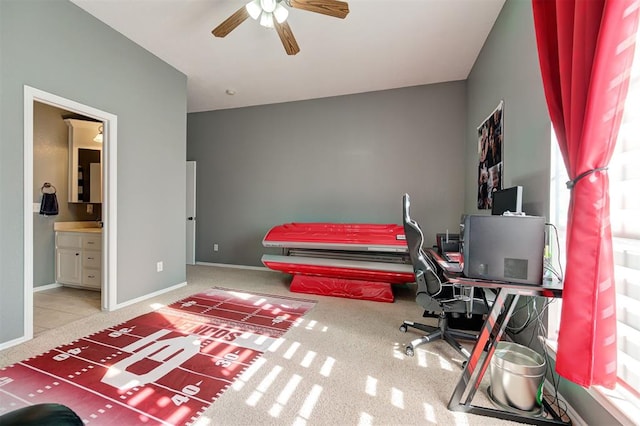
x=442, y=331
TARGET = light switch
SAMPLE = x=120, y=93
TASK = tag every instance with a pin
x=36, y=207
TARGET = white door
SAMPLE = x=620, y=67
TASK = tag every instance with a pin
x=191, y=212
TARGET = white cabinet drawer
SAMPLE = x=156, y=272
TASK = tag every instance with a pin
x=92, y=242
x=91, y=278
x=68, y=240
x=91, y=259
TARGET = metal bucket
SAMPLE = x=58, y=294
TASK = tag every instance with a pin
x=517, y=374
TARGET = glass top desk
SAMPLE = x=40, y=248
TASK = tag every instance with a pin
x=507, y=295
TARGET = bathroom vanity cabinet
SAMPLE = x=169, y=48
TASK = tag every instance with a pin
x=79, y=259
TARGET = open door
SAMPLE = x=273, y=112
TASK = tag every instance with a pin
x=191, y=213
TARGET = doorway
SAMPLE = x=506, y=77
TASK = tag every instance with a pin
x=109, y=195
x=64, y=142
x=191, y=213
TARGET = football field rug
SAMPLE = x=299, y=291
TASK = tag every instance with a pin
x=164, y=367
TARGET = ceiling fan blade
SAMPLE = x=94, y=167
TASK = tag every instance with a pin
x=286, y=36
x=231, y=22
x=335, y=8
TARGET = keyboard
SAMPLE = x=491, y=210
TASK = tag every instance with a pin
x=452, y=256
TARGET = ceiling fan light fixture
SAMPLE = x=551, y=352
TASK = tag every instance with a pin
x=280, y=13
x=254, y=9
x=268, y=5
x=273, y=14
x=266, y=19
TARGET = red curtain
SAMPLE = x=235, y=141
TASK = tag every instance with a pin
x=585, y=48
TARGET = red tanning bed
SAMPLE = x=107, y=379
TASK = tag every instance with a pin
x=341, y=259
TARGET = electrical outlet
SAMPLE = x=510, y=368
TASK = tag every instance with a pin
x=159, y=266
x=89, y=208
x=215, y=247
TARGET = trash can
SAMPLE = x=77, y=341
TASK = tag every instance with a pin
x=517, y=375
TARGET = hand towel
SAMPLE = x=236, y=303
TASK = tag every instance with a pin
x=49, y=205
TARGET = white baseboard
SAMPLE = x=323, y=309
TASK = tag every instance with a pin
x=46, y=287
x=227, y=265
x=149, y=296
x=14, y=342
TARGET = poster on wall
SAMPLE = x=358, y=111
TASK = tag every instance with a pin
x=490, y=148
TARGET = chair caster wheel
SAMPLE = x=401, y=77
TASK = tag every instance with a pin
x=408, y=351
x=403, y=328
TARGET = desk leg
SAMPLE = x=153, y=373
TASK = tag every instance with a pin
x=477, y=364
x=479, y=360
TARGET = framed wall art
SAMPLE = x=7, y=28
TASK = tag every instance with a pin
x=490, y=150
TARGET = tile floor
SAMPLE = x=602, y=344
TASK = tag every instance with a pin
x=61, y=305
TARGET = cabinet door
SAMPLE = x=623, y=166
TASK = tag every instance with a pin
x=68, y=266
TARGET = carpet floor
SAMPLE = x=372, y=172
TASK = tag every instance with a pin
x=164, y=367
x=343, y=364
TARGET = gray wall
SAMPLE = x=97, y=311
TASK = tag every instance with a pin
x=55, y=46
x=341, y=159
x=508, y=68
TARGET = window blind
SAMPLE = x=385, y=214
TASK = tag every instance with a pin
x=624, y=179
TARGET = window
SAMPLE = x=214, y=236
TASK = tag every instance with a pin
x=624, y=176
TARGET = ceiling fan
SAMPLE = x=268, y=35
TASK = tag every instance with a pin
x=273, y=14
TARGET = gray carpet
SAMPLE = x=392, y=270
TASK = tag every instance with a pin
x=343, y=365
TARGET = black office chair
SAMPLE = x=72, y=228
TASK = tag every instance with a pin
x=46, y=414
x=440, y=299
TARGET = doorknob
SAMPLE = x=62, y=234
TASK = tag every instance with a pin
x=191, y=218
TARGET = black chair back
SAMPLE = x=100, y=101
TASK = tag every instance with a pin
x=421, y=264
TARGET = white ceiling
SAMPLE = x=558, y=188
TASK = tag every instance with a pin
x=381, y=44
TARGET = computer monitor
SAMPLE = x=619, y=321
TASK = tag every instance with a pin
x=507, y=200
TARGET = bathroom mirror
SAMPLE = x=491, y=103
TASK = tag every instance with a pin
x=85, y=161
